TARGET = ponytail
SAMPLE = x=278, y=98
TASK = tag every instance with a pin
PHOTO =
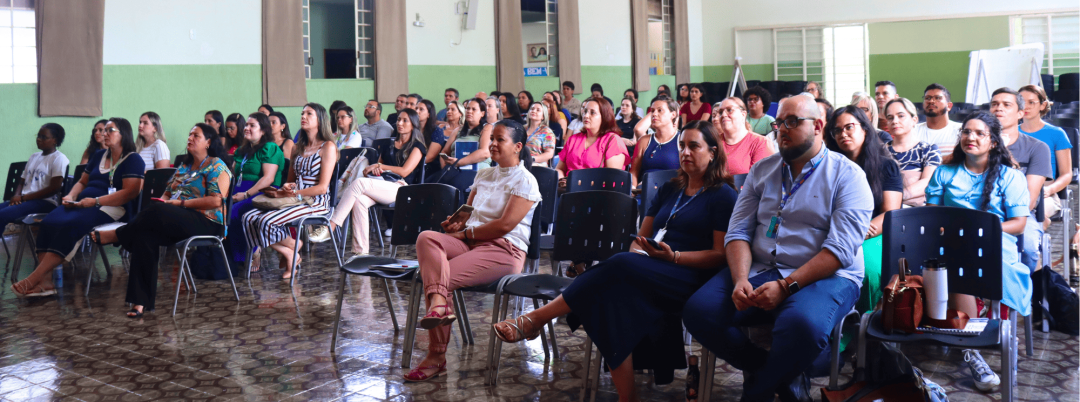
x=518, y=135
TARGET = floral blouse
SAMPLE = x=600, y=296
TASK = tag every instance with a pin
x=188, y=184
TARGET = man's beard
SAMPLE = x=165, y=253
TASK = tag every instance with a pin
x=793, y=152
x=929, y=113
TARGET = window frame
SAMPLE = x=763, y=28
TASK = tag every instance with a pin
x=11, y=28
x=667, y=40
x=368, y=43
x=1016, y=37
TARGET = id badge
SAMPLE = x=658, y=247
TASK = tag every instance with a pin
x=660, y=235
x=175, y=196
x=112, y=190
x=774, y=225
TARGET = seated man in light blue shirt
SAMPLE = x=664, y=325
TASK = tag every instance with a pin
x=375, y=128
x=791, y=248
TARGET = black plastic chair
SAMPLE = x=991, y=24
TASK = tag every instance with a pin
x=650, y=186
x=15, y=171
x=183, y=246
x=155, y=182
x=179, y=159
x=973, y=258
x=590, y=226
x=301, y=224
x=346, y=156
x=422, y=207
x=28, y=221
x=377, y=210
x=606, y=179
x=548, y=180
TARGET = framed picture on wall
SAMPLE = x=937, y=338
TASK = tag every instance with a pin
x=537, y=52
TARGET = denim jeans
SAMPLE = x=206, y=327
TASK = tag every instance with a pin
x=1032, y=236
x=801, y=328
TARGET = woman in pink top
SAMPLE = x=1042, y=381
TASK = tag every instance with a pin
x=599, y=144
x=743, y=148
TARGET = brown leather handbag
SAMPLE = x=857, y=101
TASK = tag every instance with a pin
x=902, y=301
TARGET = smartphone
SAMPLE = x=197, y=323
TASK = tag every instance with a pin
x=67, y=202
x=651, y=242
x=462, y=214
x=444, y=156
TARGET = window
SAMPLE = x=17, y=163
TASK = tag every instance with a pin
x=540, y=37
x=338, y=39
x=1059, y=35
x=18, y=42
x=661, y=60
x=835, y=57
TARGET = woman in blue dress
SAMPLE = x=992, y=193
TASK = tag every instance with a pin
x=110, y=182
x=631, y=304
x=657, y=151
x=979, y=158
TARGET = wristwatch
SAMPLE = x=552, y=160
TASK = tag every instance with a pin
x=792, y=286
x=97, y=202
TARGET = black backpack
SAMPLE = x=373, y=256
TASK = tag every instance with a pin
x=1064, y=305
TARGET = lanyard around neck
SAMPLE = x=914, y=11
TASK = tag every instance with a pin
x=797, y=184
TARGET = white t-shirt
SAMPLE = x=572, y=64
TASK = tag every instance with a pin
x=155, y=152
x=945, y=139
x=40, y=169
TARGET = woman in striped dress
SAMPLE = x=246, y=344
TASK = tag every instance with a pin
x=314, y=149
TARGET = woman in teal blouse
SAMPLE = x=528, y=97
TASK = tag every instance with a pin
x=260, y=164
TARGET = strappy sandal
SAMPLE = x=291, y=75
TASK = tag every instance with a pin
x=133, y=314
x=434, y=320
x=516, y=325
x=418, y=375
x=37, y=291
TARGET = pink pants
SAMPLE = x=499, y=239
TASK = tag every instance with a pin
x=361, y=195
x=447, y=264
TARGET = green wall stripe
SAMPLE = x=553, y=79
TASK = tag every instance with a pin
x=934, y=36
x=912, y=72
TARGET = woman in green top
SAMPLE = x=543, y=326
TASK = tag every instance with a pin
x=259, y=165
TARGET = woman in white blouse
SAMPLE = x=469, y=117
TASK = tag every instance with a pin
x=490, y=245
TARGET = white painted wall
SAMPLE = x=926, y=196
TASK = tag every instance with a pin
x=697, y=54
x=533, y=32
x=160, y=32
x=605, y=33
x=433, y=43
x=724, y=16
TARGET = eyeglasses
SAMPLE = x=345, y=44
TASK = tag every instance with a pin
x=789, y=122
x=730, y=110
x=372, y=107
x=112, y=130
x=937, y=98
x=967, y=132
x=847, y=128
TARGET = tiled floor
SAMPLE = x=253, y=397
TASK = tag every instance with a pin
x=274, y=345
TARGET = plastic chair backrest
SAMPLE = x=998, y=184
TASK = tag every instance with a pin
x=69, y=181
x=1074, y=135
x=346, y=156
x=548, y=180
x=1040, y=210
x=179, y=159
x=372, y=155
x=533, y=253
x=606, y=179
x=380, y=145
x=421, y=207
x=966, y=241
x=15, y=172
x=651, y=185
x=593, y=225
x=740, y=179
x=155, y=181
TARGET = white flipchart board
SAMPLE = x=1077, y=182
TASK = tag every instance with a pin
x=1012, y=67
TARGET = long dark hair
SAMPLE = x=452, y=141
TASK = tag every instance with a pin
x=238, y=141
x=872, y=157
x=415, y=138
x=997, y=159
x=334, y=107
x=482, y=104
x=217, y=116
x=249, y=149
x=528, y=95
x=286, y=134
x=512, y=109
x=127, y=141
x=431, y=124
x=94, y=146
x=678, y=89
x=215, y=150
x=519, y=136
x=717, y=173
x=323, y=132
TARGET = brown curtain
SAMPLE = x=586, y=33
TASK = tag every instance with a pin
x=391, y=54
x=569, y=44
x=283, y=53
x=681, y=38
x=639, y=45
x=509, y=66
x=70, y=38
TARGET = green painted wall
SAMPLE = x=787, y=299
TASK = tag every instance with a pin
x=431, y=81
x=912, y=72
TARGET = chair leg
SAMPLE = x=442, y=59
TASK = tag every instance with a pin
x=225, y=256
x=860, y=364
x=708, y=365
x=390, y=304
x=496, y=353
x=337, y=318
x=188, y=279
x=374, y=218
x=1008, y=356
x=1029, y=339
x=543, y=335
x=89, y=270
x=551, y=334
x=411, y=320
x=492, y=338
x=300, y=232
x=180, y=278
x=463, y=317
x=587, y=364
x=7, y=252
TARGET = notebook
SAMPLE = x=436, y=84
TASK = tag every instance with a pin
x=974, y=327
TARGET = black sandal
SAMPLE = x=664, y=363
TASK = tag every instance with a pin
x=95, y=237
x=137, y=314
x=573, y=271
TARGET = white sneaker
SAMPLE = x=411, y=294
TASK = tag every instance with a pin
x=386, y=233
x=319, y=234
x=985, y=378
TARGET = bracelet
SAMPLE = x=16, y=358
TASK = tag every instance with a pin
x=182, y=203
x=676, y=259
x=473, y=229
x=783, y=286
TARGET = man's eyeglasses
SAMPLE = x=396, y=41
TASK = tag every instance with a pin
x=789, y=122
x=937, y=98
